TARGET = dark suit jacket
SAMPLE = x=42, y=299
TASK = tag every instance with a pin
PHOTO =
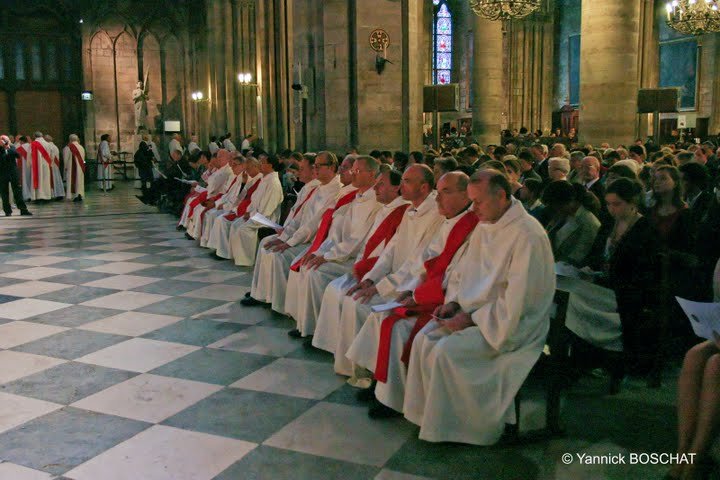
x=529, y=174
x=542, y=170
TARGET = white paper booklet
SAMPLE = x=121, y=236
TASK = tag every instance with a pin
x=386, y=307
x=704, y=317
x=263, y=220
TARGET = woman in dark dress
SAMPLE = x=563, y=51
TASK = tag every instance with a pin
x=627, y=256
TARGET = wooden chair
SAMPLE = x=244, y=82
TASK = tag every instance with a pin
x=552, y=369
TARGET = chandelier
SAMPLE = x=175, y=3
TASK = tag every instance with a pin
x=693, y=17
x=504, y=9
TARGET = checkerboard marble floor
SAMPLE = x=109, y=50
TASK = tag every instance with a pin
x=124, y=354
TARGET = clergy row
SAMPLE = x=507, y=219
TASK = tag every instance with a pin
x=39, y=163
x=440, y=293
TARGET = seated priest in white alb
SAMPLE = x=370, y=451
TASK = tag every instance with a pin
x=220, y=171
x=348, y=300
x=347, y=238
x=228, y=193
x=220, y=228
x=74, y=162
x=466, y=369
x=383, y=341
x=274, y=259
x=41, y=168
x=58, y=188
x=267, y=202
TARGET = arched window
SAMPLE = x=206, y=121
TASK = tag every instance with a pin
x=442, y=43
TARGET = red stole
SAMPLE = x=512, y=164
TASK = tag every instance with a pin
x=197, y=201
x=383, y=233
x=297, y=210
x=35, y=148
x=245, y=203
x=428, y=295
x=22, y=156
x=80, y=163
x=324, y=227
x=216, y=198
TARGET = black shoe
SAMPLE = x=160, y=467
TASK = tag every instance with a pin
x=307, y=343
x=251, y=302
x=25, y=213
x=294, y=333
x=142, y=199
x=247, y=295
x=366, y=394
x=379, y=411
x=179, y=228
x=78, y=199
x=8, y=214
x=187, y=235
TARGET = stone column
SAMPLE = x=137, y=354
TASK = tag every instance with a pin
x=609, y=59
x=487, y=88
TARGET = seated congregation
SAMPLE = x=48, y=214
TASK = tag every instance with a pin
x=431, y=277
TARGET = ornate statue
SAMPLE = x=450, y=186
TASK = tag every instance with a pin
x=140, y=98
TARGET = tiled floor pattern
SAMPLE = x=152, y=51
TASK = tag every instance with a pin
x=125, y=355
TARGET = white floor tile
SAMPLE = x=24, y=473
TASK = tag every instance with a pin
x=28, y=307
x=164, y=453
x=121, y=282
x=132, y=324
x=14, y=365
x=115, y=247
x=208, y=276
x=16, y=410
x=323, y=430
x=10, y=471
x=125, y=300
x=138, y=354
x=228, y=293
x=261, y=340
x=117, y=267
x=46, y=251
x=31, y=289
x=116, y=256
x=296, y=378
x=36, y=273
x=148, y=398
x=40, y=261
x=16, y=333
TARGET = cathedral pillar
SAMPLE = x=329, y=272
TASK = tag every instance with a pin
x=487, y=87
x=609, y=69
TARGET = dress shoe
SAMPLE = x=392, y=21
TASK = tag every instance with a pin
x=179, y=228
x=25, y=213
x=247, y=294
x=78, y=199
x=8, y=214
x=251, y=302
x=187, y=235
x=379, y=411
x=366, y=394
x=294, y=333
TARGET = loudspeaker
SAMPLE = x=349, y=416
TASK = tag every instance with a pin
x=664, y=100
x=443, y=98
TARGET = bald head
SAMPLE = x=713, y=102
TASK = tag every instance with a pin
x=491, y=194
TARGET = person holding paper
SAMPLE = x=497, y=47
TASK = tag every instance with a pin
x=342, y=315
x=349, y=240
x=467, y=366
x=220, y=229
x=276, y=254
x=266, y=201
x=216, y=180
x=698, y=401
x=228, y=194
x=381, y=343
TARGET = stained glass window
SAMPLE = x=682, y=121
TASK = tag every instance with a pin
x=35, y=59
x=19, y=61
x=51, y=60
x=442, y=43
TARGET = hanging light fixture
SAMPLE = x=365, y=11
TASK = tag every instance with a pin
x=504, y=9
x=693, y=17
